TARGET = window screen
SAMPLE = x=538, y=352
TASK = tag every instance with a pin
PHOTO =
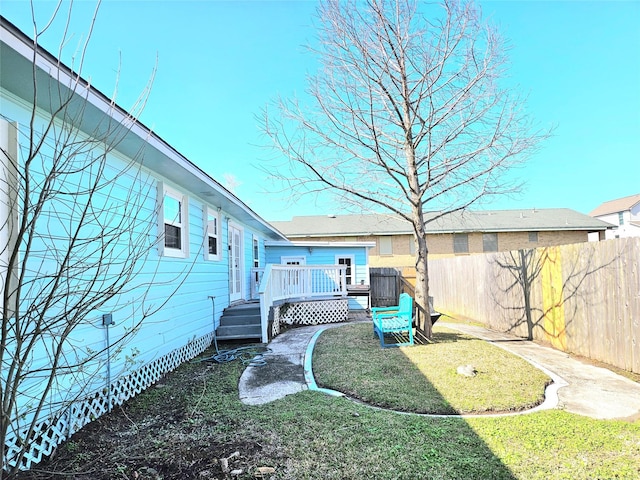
x=489, y=242
x=385, y=246
x=460, y=243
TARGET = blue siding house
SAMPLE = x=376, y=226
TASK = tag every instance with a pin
x=354, y=256
x=118, y=252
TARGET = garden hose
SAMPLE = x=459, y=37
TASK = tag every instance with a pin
x=251, y=355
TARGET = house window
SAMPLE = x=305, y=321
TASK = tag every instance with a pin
x=533, y=237
x=174, y=228
x=460, y=243
x=489, y=242
x=349, y=262
x=212, y=249
x=256, y=252
x=385, y=246
x=620, y=218
x=412, y=246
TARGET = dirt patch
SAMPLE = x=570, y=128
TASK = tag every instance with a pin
x=176, y=429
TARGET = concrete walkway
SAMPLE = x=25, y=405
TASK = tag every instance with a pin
x=582, y=388
x=577, y=387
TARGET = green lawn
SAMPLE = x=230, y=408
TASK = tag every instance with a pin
x=179, y=429
x=423, y=378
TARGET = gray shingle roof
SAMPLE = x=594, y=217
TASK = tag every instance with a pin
x=343, y=225
x=465, y=221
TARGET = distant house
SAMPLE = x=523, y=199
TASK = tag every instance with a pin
x=623, y=213
x=459, y=233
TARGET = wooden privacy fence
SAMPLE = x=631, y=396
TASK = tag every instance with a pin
x=582, y=298
x=385, y=286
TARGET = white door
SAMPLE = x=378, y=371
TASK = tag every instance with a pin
x=235, y=263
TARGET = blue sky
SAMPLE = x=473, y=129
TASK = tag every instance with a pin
x=219, y=63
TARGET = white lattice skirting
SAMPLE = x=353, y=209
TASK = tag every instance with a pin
x=313, y=312
x=53, y=431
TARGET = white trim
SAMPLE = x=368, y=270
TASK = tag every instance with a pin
x=186, y=173
x=8, y=207
x=233, y=294
x=210, y=214
x=292, y=259
x=352, y=267
x=255, y=242
x=367, y=272
x=293, y=243
x=183, y=223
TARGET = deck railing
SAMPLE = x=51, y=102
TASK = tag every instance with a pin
x=285, y=282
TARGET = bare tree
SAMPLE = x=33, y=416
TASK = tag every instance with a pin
x=407, y=115
x=79, y=222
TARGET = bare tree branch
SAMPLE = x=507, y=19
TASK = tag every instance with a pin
x=406, y=114
x=82, y=221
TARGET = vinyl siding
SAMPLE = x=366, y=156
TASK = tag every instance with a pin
x=326, y=255
x=177, y=289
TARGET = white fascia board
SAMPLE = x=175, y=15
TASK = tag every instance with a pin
x=533, y=228
x=349, y=234
x=319, y=244
x=60, y=73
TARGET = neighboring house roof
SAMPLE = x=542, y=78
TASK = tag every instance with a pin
x=547, y=219
x=623, y=204
x=139, y=142
x=458, y=222
x=343, y=225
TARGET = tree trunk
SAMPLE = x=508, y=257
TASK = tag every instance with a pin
x=406, y=113
x=422, y=282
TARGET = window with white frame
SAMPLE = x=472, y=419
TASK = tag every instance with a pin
x=174, y=226
x=256, y=252
x=9, y=215
x=349, y=262
x=620, y=218
x=212, y=247
x=286, y=260
x=385, y=245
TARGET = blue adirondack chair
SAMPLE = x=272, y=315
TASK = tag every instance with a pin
x=394, y=320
